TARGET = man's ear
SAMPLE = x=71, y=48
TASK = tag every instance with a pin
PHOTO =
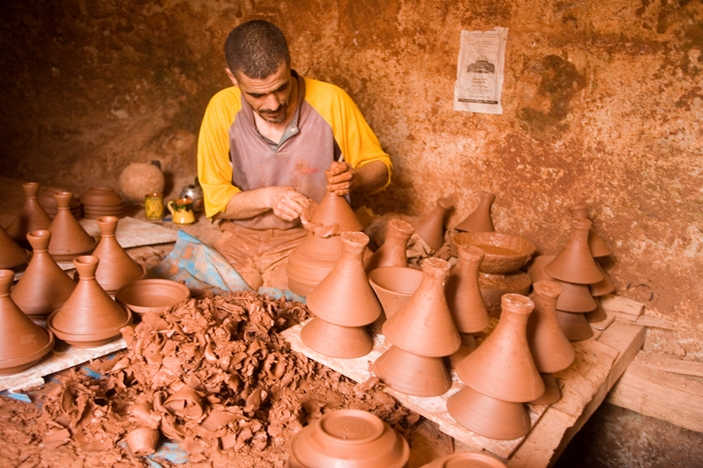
x=232, y=78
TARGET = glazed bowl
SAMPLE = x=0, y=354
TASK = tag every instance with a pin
x=151, y=295
x=505, y=253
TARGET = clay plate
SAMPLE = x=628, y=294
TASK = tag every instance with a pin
x=151, y=295
x=505, y=253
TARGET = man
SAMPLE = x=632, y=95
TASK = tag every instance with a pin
x=270, y=146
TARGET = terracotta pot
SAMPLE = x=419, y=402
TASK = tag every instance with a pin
x=345, y=297
x=412, y=374
x=575, y=264
x=424, y=325
x=574, y=325
x=31, y=217
x=552, y=392
x=48, y=202
x=536, y=268
x=152, y=295
x=185, y=403
x=44, y=287
x=605, y=286
x=502, y=366
x=494, y=287
x=338, y=341
x=393, y=287
x=430, y=226
x=463, y=291
x=116, y=268
x=89, y=317
x=138, y=179
x=12, y=254
x=68, y=238
x=468, y=345
x=597, y=246
x=311, y=261
x=465, y=460
x=550, y=348
x=348, y=438
x=575, y=297
x=480, y=219
x=393, y=251
x=505, y=253
x=142, y=441
x=334, y=209
x=488, y=416
x=22, y=342
x=598, y=315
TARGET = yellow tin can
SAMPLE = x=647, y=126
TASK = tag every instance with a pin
x=154, y=206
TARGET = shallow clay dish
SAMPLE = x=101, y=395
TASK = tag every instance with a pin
x=348, y=438
x=465, y=459
x=88, y=340
x=151, y=295
x=505, y=253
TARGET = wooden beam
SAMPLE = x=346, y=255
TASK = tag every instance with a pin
x=623, y=305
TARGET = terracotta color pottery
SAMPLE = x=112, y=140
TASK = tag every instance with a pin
x=598, y=315
x=412, y=374
x=89, y=317
x=502, y=366
x=11, y=254
x=480, y=219
x=185, y=403
x=48, y=202
x=334, y=209
x=138, y=179
x=463, y=292
x=337, y=341
x=345, y=297
x=393, y=251
x=505, y=253
x=311, y=261
x=151, y=295
x=550, y=348
x=31, y=217
x=574, y=325
x=68, y=238
x=348, y=438
x=430, y=226
x=22, y=342
x=468, y=345
x=116, y=268
x=575, y=297
x=552, y=392
x=596, y=244
x=536, y=268
x=44, y=287
x=488, y=416
x=605, y=286
x=424, y=325
x=494, y=287
x=142, y=441
x=394, y=286
x=575, y=264
x=102, y=201
x=465, y=460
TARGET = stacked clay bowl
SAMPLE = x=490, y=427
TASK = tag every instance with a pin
x=348, y=438
x=151, y=295
x=465, y=460
x=102, y=201
x=48, y=202
x=393, y=286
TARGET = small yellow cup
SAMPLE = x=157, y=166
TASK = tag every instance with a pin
x=154, y=206
x=181, y=210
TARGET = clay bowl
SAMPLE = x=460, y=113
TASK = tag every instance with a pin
x=465, y=460
x=151, y=295
x=25, y=361
x=394, y=286
x=337, y=341
x=88, y=340
x=348, y=438
x=505, y=253
x=142, y=441
x=101, y=196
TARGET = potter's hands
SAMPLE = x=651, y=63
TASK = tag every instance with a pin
x=287, y=203
x=340, y=178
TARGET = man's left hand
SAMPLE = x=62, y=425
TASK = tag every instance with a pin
x=340, y=178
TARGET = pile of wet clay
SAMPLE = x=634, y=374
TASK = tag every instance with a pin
x=214, y=376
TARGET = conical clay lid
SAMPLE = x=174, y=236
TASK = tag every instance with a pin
x=22, y=342
x=575, y=264
x=393, y=251
x=502, y=366
x=463, y=292
x=424, y=325
x=44, y=287
x=68, y=238
x=412, y=374
x=597, y=246
x=116, y=267
x=430, y=226
x=335, y=209
x=574, y=325
x=480, y=219
x=31, y=217
x=575, y=298
x=336, y=341
x=550, y=348
x=605, y=286
x=11, y=254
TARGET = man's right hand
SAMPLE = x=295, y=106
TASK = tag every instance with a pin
x=287, y=203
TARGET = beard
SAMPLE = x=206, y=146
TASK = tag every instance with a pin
x=274, y=117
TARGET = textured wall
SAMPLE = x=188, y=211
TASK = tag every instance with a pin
x=602, y=102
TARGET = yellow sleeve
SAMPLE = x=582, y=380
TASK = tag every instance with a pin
x=214, y=167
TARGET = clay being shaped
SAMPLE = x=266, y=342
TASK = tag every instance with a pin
x=597, y=246
x=430, y=226
x=12, y=254
x=44, y=287
x=31, y=217
x=22, y=342
x=334, y=209
x=480, y=219
x=116, y=267
x=575, y=264
x=393, y=251
x=89, y=317
x=348, y=438
x=68, y=238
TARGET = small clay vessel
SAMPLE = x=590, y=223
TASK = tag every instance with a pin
x=337, y=341
x=44, y=287
x=465, y=460
x=12, y=254
x=348, y=438
x=575, y=297
x=430, y=226
x=412, y=374
x=116, y=267
x=393, y=251
x=494, y=287
x=48, y=202
x=22, y=342
x=574, y=325
x=142, y=441
x=463, y=291
x=575, y=264
x=393, y=287
x=31, y=217
x=138, y=179
x=89, y=317
x=480, y=219
x=68, y=238
x=151, y=295
x=597, y=246
x=605, y=286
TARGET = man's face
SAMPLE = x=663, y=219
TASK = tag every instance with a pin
x=269, y=97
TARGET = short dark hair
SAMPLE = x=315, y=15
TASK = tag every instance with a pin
x=256, y=48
